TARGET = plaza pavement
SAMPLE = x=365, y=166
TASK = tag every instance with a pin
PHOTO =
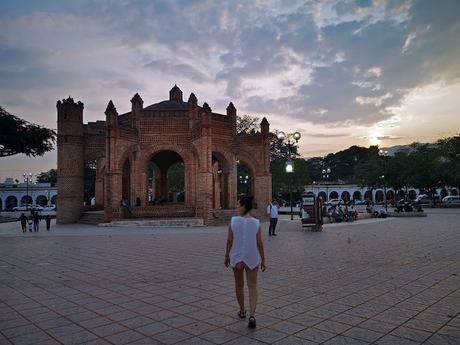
x=393, y=281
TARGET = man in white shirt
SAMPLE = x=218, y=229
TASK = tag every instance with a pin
x=272, y=211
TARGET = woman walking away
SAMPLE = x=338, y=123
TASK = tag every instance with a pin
x=245, y=252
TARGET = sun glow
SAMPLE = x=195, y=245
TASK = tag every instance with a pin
x=374, y=139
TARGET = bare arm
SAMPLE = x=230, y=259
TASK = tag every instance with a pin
x=260, y=246
x=229, y=245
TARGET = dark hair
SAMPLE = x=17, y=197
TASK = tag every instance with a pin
x=246, y=202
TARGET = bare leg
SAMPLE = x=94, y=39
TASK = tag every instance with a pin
x=251, y=276
x=239, y=287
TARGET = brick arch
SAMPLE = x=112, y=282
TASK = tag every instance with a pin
x=248, y=160
x=228, y=157
x=187, y=155
x=10, y=202
x=191, y=164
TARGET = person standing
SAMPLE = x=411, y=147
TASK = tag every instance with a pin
x=23, y=220
x=36, y=219
x=272, y=211
x=48, y=222
x=245, y=252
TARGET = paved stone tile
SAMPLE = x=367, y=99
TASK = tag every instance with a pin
x=441, y=339
x=333, y=326
x=172, y=336
x=315, y=334
x=363, y=334
x=342, y=340
x=76, y=338
x=411, y=334
x=107, y=330
x=287, y=327
x=153, y=328
x=267, y=335
x=125, y=337
x=219, y=336
x=393, y=340
x=198, y=327
x=395, y=281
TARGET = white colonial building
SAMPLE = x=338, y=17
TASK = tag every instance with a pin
x=349, y=192
x=14, y=194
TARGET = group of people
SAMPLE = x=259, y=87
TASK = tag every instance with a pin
x=341, y=212
x=34, y=222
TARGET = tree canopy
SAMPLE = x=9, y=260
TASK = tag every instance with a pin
x=20, y=136
x=49, y=176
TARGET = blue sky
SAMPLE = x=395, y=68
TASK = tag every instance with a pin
x=342, y=72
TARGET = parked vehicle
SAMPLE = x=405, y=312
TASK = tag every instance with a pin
x=451, y=200
x=28, y=207
x=334, y=202
x=423, y=199
x=50, y=207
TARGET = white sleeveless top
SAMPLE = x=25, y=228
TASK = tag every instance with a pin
x=244, y=246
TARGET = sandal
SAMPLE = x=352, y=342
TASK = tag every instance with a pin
x=242, y=314
x=252, y=322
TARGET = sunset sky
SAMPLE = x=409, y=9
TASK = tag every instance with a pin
x=342, y=73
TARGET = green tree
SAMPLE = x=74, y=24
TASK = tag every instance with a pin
x=49, y=176
x=368, y=173
x=247, y=123
x=19, y=136
x=280, y=179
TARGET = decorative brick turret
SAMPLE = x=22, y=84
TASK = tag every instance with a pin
x=231, y=111
x=70, y=147
x=175, y=94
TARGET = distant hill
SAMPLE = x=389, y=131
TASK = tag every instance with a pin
x=394, y=149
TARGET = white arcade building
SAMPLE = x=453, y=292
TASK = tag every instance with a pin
x=348, y=192
x=14, y=194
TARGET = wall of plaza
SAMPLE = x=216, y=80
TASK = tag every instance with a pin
x=355, y=192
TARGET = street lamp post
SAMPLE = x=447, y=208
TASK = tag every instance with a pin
x=27, y=180
x=289, y=140
x=384, y=154
x=326, y=176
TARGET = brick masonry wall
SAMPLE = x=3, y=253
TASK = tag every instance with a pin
x=136, y=136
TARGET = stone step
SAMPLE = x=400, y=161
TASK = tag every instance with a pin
x=5, y=219
x=92, y=218
x=156, y=223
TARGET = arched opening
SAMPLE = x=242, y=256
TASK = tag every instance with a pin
x=379, y=196
x=443, y=193
x=11, y=202
x=345, y=196
x=54, y=200
x=357, y=195
x=41, y=200
x=89, y=182
x=323, y=196
x=412, y=194
x=390, y=195
x=245, y=181
x=368, y=195
x=26, y=200
x=333, y=195
x=220, y=175
x=165, y=178
x=126, y=182
x=401, y=194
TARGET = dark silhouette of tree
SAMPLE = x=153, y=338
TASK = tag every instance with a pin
x=19, y=136
x=49, y=176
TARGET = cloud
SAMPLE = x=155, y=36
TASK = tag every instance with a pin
x=333, y=63
x=325, y=135
x=168, y=67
